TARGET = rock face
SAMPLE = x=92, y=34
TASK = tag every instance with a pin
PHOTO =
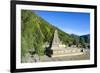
x=59, y=49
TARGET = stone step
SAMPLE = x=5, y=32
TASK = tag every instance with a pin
x=67, y=54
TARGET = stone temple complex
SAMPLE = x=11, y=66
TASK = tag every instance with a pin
x=59, y=49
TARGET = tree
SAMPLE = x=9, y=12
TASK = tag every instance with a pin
x=82, y=41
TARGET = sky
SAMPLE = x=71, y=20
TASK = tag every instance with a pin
x=70, y=22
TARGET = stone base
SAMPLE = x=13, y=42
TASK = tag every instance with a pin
x=69, y=54
x=66, y=52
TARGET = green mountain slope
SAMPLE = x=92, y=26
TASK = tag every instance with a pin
x=35, y=32
x=85, y=39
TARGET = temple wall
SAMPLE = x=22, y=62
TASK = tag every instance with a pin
x=67, y=51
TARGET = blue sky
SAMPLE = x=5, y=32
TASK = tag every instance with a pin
x=70, y=22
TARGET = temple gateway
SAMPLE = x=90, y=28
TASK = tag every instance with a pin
x=58, y=49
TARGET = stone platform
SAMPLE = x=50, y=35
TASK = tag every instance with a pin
x=66, y=52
